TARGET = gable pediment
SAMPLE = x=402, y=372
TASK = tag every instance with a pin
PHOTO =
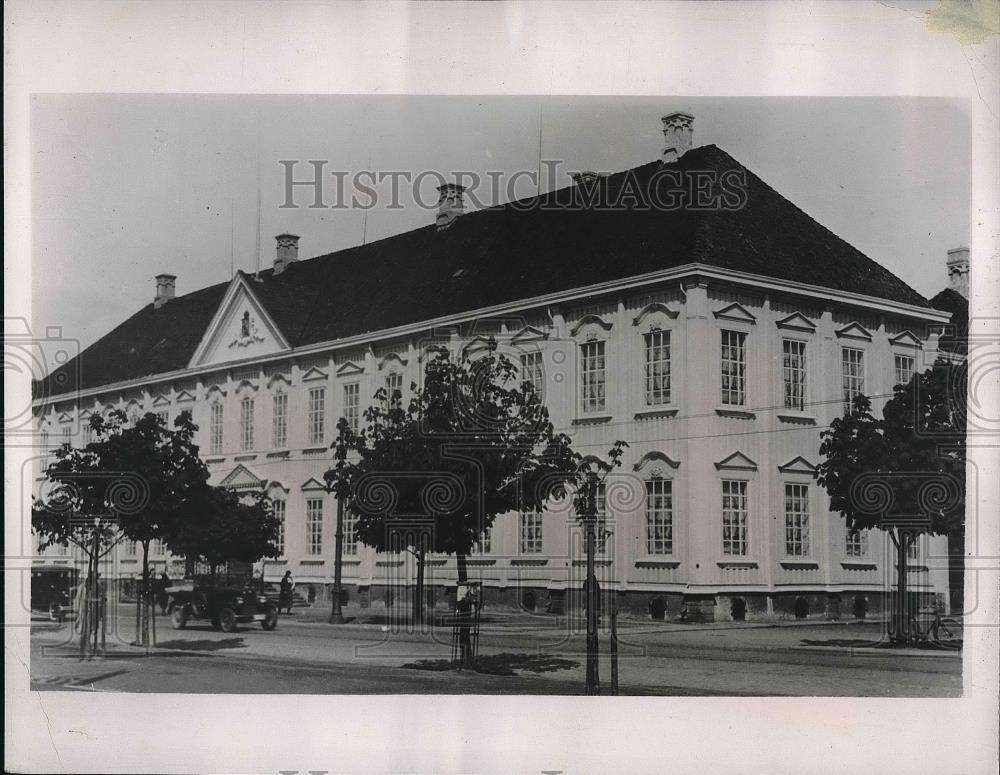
x=796, y=322
x=854, y=330
x=161, y=400
x=241, y=328
x=736, y=462
x=797, y=465
x=65, y=417
x=184, y=396
x=906, y=339
x=242, y=478
x=736, y=313
x=349, y=369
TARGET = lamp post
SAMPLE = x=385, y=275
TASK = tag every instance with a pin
x=337, y=615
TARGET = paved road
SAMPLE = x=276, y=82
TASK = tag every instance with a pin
x=302, y=657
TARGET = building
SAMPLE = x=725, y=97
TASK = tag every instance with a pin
x=953, y=346
x=682, y=305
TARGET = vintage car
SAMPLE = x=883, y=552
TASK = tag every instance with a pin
x=52, y=589
x=224, y=606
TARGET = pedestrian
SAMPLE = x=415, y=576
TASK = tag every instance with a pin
x=287, y=586
x=161, y=592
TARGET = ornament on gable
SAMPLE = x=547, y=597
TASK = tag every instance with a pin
x=248, y=332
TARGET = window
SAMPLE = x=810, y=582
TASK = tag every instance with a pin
x=88, y=433
x=393, y=385
x=657, y=368
x=857, y=543
x=314, y=526
x=352, y=405
x=246, y=423
x=215, y=429
x=913, y=548
x=131, y=548
x=531, y=532
x=734, y=517
x=317, y=415
x=796, y=520
x=67, y=435
x=350, y=533
x=659, y=516
x=794, y=369
x=43, y=437
x=155, y=547
x=532, y=370
x=852, y=369
x=593, y=375
x=164, y=416
x=904, y=369
x=734, y=368
x=485, y=543
x=279, y=419
x=279, y=514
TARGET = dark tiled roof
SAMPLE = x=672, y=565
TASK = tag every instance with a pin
x=509, y=252
x=956, y=338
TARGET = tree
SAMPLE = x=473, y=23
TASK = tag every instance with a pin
x=130, y=483
x=904, y=473
x=473, y=442
x=219, y=525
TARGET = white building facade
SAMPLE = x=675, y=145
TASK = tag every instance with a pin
x=720, y=379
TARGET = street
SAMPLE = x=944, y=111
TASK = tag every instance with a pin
x=517, y=655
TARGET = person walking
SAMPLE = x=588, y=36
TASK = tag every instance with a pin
x=161, y=591
x=286, y=588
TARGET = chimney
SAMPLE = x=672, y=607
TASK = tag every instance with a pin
x=287, y=253
x=958, y=270
x=164, y=289
x=678, y=135
x=450, y=204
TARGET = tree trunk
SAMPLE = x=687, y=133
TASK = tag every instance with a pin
x=418, y=601
x=464, y=614
x=900, y=633
x=143, y=635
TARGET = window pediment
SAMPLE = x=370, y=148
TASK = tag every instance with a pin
x=736, y=462
x=655, y=464
x=392, y=359
x=245, y=386
x=279, y=380
x=349, y=369
x=215, y=393
x=854, y=330
x=797, y=465
x=906, y=339
x=313, y=485
x=655, y=314
x=314, y=375
x=590, y=326
x=65, y=417
x=796, y=322
x=161, y=400
x=184, y=396
x=529, y=334
x=735, y=313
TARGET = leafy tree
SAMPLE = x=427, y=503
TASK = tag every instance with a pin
x=130, y=483
x=220, y=525
x=473, y=442
x=904, y=473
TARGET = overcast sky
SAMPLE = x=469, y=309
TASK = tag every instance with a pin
x=127, y=186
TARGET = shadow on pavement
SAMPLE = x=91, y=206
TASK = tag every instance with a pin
x=202, y=645
x=847, y=643
x=502, y=664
